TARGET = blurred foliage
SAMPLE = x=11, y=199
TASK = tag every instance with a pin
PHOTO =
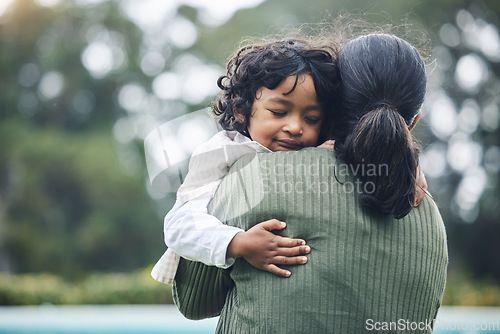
x=138, y=288
x=74, y=195
x=70, y=208
x=98, y=288
x=462, y=289
x=72, y=199
x=468, y=189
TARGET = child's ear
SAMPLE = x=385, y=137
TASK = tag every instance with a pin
x=415, y=120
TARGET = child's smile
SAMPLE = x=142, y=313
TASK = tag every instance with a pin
x=287, y=122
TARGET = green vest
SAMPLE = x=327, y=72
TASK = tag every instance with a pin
x=366, y=271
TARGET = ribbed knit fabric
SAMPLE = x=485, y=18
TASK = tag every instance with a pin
x=365, y=270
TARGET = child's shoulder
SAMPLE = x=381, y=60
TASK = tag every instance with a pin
x=221, y=139
x=218, y=140
x=225, y=136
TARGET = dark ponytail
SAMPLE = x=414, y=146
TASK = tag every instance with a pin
x=382, y=89
x=381, y=152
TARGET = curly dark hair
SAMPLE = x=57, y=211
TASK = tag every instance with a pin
x=266, y=65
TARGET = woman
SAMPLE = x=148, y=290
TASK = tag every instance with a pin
x=376, y=263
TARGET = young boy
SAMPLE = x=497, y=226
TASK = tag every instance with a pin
x=277, y=96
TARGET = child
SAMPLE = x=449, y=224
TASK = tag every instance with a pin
x=277, y=96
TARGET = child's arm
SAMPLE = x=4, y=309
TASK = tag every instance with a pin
x=264, y=249
x=195, y=235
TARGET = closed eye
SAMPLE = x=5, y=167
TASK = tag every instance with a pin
x=277, y=113
x=311, y=120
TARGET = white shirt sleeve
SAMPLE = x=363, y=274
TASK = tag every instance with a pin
x=189, y=230
x=196, y=235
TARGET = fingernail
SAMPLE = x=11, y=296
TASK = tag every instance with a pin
x=308, y=249
x=288, y=274
x=303, y=259
x=283, y=223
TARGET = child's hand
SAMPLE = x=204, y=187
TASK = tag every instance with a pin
x=420, y=186
x=264, y=249
x=328, y=144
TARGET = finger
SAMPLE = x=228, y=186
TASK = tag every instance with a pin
x=422, y=182
x=330, y=143
x=289, y=242
x=272, y=224
x=423, y=186
x=420, y=187
x=291, y=260
x=294, y=251
x=419, y=196
x=277, y=270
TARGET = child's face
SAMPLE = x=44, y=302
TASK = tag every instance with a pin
x=287, y=122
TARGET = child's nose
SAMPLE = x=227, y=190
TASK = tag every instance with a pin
x=294, y=127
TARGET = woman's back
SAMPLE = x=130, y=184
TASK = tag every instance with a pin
x=365, y=270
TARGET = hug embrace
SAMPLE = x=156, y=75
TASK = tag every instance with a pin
x=273, y=259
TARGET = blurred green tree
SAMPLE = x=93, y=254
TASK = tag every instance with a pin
x=466, y=139
x=72, y=199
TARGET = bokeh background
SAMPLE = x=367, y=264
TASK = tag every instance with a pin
x=83, y=82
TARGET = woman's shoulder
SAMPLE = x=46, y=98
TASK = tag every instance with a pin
x=429, y=216
x=308, y=154
x=319, y=159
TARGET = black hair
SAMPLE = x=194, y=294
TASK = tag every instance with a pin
x=382, y=87
x=266, y=65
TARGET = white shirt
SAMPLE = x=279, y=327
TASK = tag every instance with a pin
x=189, y=230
